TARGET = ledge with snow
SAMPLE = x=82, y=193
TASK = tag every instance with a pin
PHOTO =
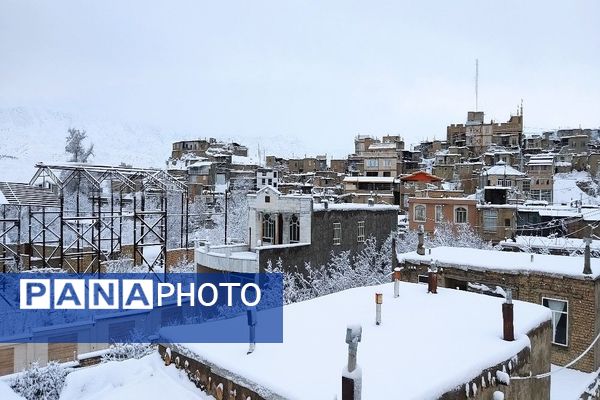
x=447, y=345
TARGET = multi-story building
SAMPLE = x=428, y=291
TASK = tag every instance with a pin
x=293, y=228
x=382, y=189
x=540, y=168
x=266, y=177
x=478, y=135
x=432, y=211
x=416, y=181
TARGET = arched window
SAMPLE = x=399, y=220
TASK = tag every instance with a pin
x=268, y=229
x=460, y=215
x=419, y=213
x=294, y=229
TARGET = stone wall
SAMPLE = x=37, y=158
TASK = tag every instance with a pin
x=534, y=360
x=582, y=295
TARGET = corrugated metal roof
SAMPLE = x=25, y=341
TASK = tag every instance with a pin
x=22, y=194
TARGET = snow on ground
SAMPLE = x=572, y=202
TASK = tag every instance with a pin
x=6, y=393
x=427, y=344
x=146, y=378
x=31, y=135
x=503, y=261
x=569, y=384
x=566, y=189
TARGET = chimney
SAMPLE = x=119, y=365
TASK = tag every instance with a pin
x=397, y=281
x=420, y=245
x=432, y=278
x=351, y=376
x=508, y=317
x=587, y=266
x=378, y=302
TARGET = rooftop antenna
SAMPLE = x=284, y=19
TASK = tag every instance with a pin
x=476, y=84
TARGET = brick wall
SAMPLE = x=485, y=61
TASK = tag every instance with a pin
x=582, y=295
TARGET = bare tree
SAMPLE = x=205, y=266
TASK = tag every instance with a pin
x=75, y=146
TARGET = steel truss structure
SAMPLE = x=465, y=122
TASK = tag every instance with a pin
x=80, y=215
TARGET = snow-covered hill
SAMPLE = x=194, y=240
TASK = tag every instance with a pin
x=28, y=136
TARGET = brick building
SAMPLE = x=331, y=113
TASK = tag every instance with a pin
x=557, y=282
x=430, y=211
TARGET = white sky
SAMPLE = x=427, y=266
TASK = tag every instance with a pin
x=324, y=70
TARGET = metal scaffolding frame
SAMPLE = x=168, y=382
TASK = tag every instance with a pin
x=79, y=215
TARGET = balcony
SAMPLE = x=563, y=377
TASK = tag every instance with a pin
x=230, y=258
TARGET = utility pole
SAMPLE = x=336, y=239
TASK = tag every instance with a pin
x=226, y=193
x=476, y=84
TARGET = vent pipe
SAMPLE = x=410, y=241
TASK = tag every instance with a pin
x=420, y=244
x=397, y=282
x=587, y=263
x=432, y=277
x=378, y=302
x=508, y=317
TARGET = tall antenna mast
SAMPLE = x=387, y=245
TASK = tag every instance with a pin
x=476, y=84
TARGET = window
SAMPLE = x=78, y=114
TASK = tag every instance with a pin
x=423, y=279
x=489, y=220
x=439, y=215
x=263, y=181
x=388, y=162
x=337, y=233
x=268, y=228
x=507, y=222
x=361, y=232
x=560, y=319
x=270, y=181
x=419, y=213
x=267, y=199
x=460, y=215
x=372, y=163
x=294, y=229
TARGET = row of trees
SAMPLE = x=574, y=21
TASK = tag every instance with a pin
x=371, y=265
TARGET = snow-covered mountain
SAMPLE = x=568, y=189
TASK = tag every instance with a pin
x=29, y=135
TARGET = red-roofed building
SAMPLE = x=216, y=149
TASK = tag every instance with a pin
x=411, y=183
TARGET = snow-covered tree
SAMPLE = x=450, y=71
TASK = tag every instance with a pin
x=370, y=266
x=76, y=148
x=40, y=383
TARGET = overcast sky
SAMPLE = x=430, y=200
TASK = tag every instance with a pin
x=322, y=70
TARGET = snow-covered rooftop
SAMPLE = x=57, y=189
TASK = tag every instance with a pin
x=395, y=357
x=146, y=378
x=373, y=179
x=508, y=262
x=557, y=243
x=355, y=206
x=502, y=169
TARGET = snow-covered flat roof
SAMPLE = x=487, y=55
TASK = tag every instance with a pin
x=558, y=243
x=396, y=358
x=509, y=262
x=373, y=179
x=355, y=206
